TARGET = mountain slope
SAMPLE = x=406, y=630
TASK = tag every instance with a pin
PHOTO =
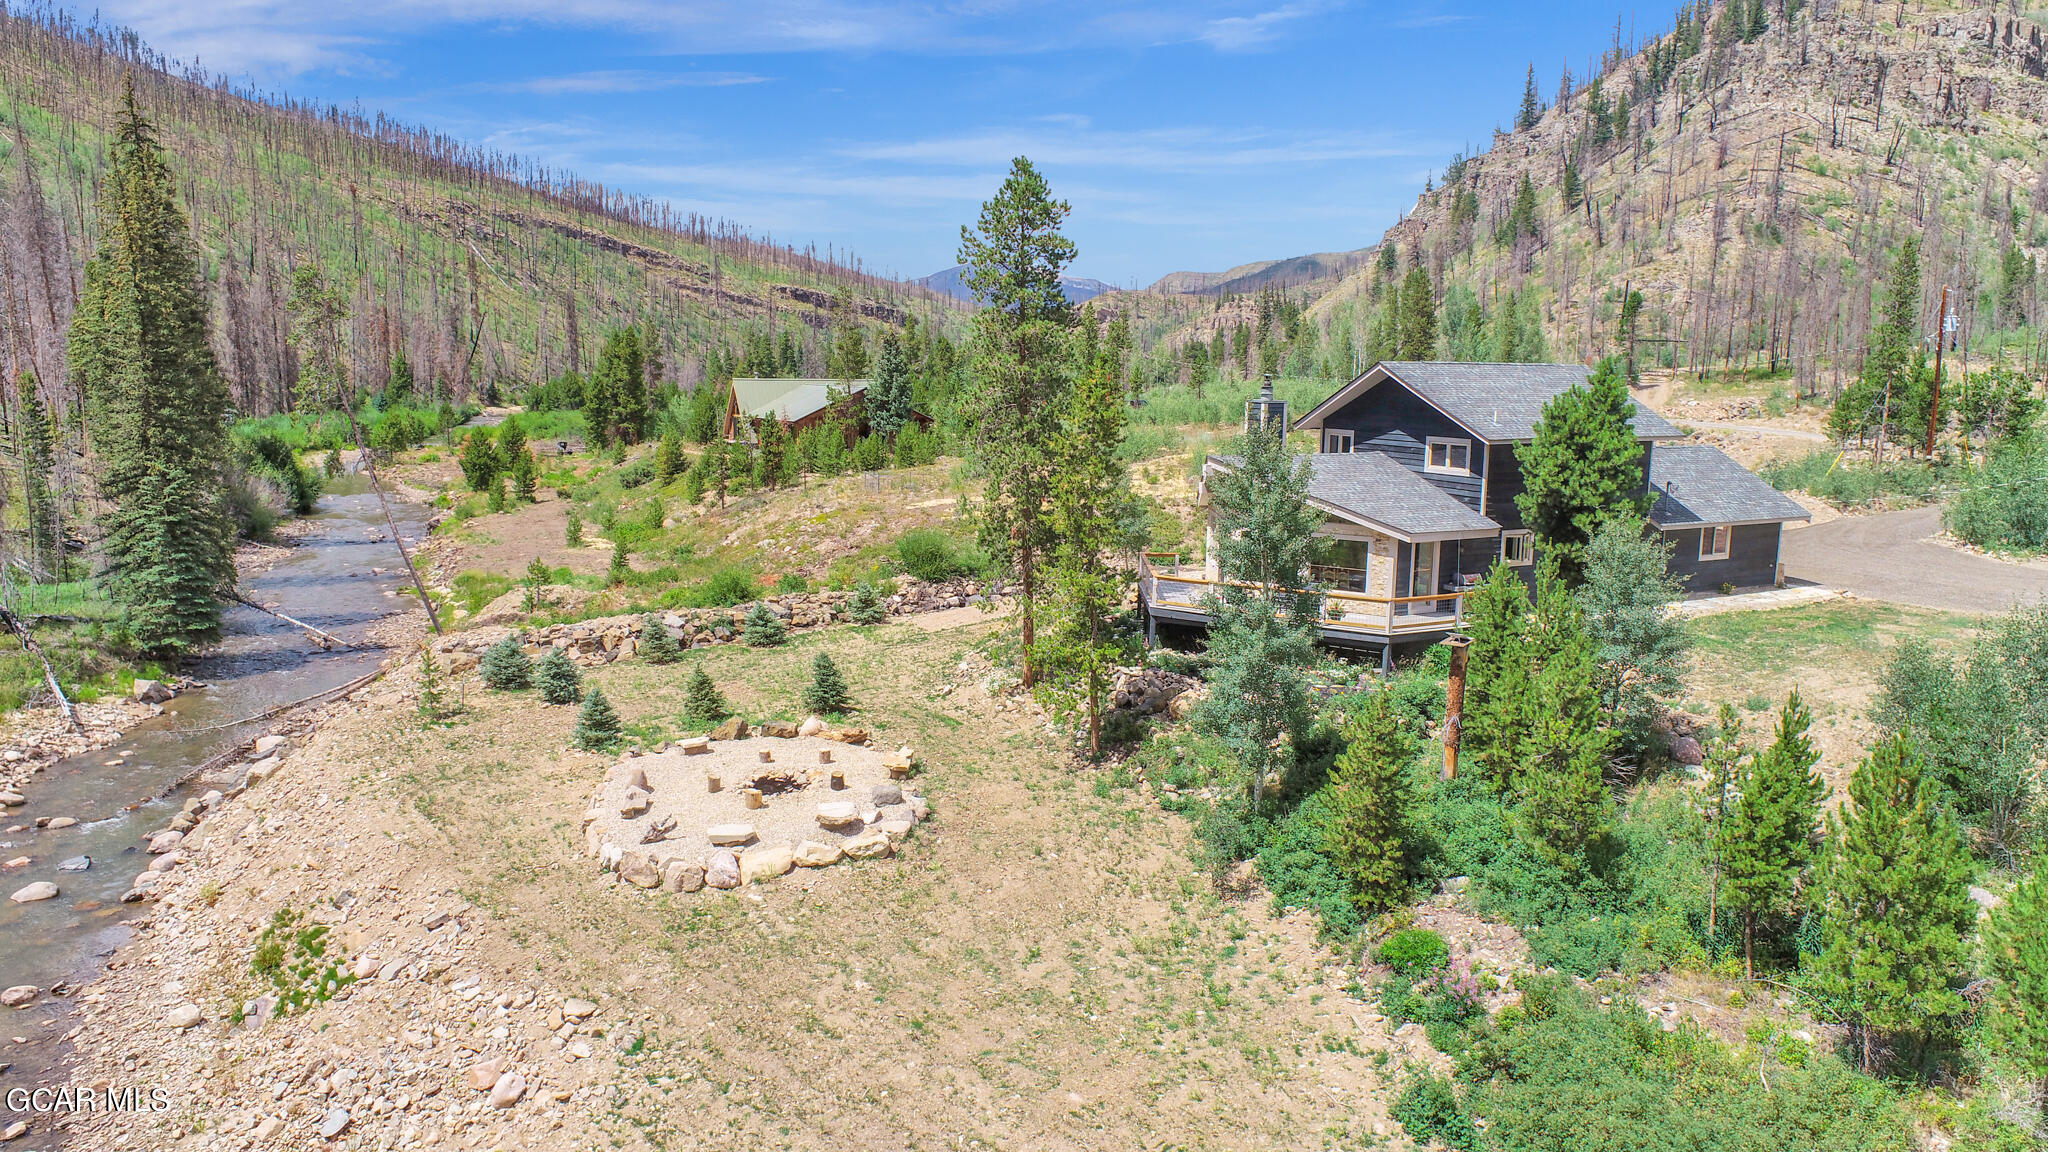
x=1293, y=272
x=951, y=283
x=476, y=265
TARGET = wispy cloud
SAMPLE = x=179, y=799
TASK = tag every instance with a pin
x=1240, y=33
x=1158, y=150
x=623, y=80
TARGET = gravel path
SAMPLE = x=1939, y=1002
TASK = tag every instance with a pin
x=1889, y=557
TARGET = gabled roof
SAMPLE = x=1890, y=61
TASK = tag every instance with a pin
x=1498, y=402
x=789, y=399
x=1373, y=489
x=1697, y=484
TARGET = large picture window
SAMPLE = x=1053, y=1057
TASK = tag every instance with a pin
x=1448, y=456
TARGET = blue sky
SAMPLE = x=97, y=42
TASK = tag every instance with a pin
x=1192, y=135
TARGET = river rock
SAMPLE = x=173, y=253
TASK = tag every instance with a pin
x=151, y=692
x=40, y=890
x=682, y=876
x=75, y=864
x=885, y=794
x=163, y=842
x=19, y=996
x=730, y=834
x=61, y=822
x=722, y=870
x=507, y=1091
x=811, y=727
x=869, y=845
x=262, y=770
x=267, y=744
x=12, y=799
x=765, y=862
x=811, y=854
x=334, y=1122
x=186, y=1015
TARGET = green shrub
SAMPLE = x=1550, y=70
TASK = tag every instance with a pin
x=656, y=645
x=2004, y=505
x=827, y=694
x=702, y=702
x=597, y=724
x=932, y=556
x=1830, y=476
x=557, y=678
x=722, y=589
x=866, y=605
x=1412, y=952
x=1428, y=1109
x=763, y=628
x=1297, y=868
x=292, y=956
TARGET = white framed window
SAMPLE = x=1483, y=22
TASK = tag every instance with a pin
x=1714, y=542
x=1336, y=440
x=1518, y=548
x=1447, y=455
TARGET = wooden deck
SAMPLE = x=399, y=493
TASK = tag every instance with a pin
x=1179, y=593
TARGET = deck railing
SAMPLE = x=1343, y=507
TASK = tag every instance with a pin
x=1352, y=611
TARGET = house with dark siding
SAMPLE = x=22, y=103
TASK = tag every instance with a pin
x=1416, y=475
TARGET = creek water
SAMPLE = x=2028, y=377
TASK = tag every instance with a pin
x=123, y=791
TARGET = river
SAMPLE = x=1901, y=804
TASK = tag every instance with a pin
x=121, y=792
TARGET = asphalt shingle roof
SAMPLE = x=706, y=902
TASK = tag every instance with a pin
x=789, y=399
x=1504, y=401
x=1699, y=484
x=1376, y=487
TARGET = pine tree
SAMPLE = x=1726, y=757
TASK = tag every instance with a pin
x=620, y=571
x=1369, y=795
x=1897, y=904
x=1566, y=811
x=557, y=678
x=1887, y=369
x=1014, y=256
x=505, y=666
x=889, y=396
x=597, y=724
x=1584, y=467
x=399, y=390
x=37, y=449
x=1768, y=829
x=2016, y=956
x=1570, y=186
x=572, y=530
x=615, y=406
x=1726, y=766
x=827, y=694
x=702, y=703
x=433, y=706
x=762, y=628
x=656, y=645
x=480, y=462
x=495, y=497
x=157, y=404
x=1496, y=673
x=1532, y=105
x=1640, y=645
x=866, y=605
x=1418, y=316
x=1263, y=632
x=670, y=462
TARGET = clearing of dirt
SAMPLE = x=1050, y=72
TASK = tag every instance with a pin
x=509, y=541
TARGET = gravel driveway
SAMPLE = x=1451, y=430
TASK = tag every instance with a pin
x=1888, y=556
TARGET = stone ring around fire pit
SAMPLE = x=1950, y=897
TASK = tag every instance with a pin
x=720, y=815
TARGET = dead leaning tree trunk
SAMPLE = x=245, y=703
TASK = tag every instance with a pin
x=326, y=640
x=369, y=460
x=28, y=642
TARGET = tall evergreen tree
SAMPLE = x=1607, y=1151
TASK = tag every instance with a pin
x=1866, y=404
x=1640, y=645
x=1584, y=467
x=670, y=462
x=158, y=405
x=889, y=395
x=1566, y=811
x=480, y=463
x=2016, y=956
x=1014, y=255
x=1369, y=796
x=1418, y=316
x=615, y=406
x=1768, y=828
x=36, y=446
x=1532, y=104
x=1496, y=673
x=399, y=389
x=1262, y=631
x=1081, y=647
x=1897, y=903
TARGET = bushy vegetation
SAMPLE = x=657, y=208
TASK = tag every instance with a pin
x=931, y=555
x=2004, y=504
x=1829, y=475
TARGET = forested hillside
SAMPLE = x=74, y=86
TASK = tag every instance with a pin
x=1750, y=171
x=475, y=266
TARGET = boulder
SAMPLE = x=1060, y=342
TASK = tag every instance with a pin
x=12, y=799
x=638, y=870
x=262, y=770
x=163, y=842
x=485, y=1073
x=778, y=730
x=810, y=727
x=730, y=834
x=40, y=890
x=186, y=1015
x=722, y=870
x=846, y=735
x=679, y=876
x=870, y=845
x=885, y=794
x=508, y=1090
x=695, y=745
x=59, y=822
x=838, y=814
x=151, y=691
x=1687, y=750
x=734, y=728
x=811, y=854
x=19, y=996
x=267, y=744
x=636, y=777
x=765, y=862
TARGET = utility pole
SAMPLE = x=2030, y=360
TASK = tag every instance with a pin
x=1934, y=401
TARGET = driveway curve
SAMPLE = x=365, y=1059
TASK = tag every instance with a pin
x=1888, y=556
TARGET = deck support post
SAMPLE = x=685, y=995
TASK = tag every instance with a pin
x=1387, y=660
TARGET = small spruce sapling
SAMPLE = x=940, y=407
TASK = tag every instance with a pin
x=557, y=678
x=827, y=694
x=505, y=667
x=496, y=501
x=572, y=532
x=762, y=628
x=538, y=576
x=656, y=645
x=620, y=571
x=433, y=697
x=702, y=703
x=866, y=605
x=597, y=724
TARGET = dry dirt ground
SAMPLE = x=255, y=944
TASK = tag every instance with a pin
x=1041, y=967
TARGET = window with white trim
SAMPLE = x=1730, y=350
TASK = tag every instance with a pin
x=1447, y=455
x=1714, y=542
x=1336, y=440
x=1518, y=548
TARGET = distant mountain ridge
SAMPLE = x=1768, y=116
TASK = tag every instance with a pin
x=952, y=282
x=1294, y=271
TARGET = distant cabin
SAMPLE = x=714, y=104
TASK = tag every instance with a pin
x=799, y=403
